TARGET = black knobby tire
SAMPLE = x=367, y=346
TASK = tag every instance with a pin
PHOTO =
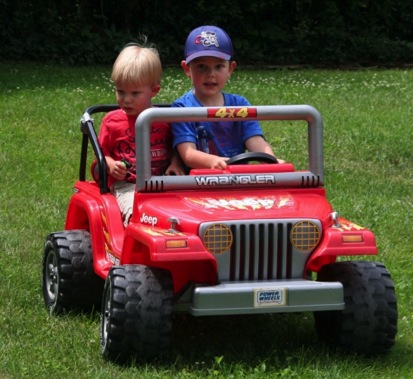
x=368, y=324
x=136, y=315
x=68, y=279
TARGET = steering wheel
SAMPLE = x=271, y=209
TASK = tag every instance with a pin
x=251, y=157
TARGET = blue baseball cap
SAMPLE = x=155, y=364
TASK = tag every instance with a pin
x=208, y=41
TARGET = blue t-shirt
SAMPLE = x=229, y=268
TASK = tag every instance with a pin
x=222, y=138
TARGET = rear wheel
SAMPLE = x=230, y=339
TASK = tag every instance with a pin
x=136, y=313
x=368, y=323
x=68, y=278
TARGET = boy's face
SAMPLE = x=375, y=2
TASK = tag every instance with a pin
x=134, y=99
x=208, y=75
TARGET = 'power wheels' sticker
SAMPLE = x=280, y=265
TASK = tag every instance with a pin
x=270, y=297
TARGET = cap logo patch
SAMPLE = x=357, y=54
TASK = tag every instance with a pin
x=207, y=39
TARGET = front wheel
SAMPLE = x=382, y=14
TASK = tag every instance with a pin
x=368, y=323
x=136, y=318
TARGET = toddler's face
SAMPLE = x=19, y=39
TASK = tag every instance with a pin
x=134, y=99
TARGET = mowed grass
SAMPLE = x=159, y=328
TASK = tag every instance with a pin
x=368, y=146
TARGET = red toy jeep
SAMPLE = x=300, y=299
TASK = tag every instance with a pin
x=255, y=238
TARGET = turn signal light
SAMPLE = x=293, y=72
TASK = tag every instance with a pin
x=176, y=244
x=352, y=238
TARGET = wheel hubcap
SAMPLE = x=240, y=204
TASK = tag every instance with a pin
x=105, y=317
x=52, y=278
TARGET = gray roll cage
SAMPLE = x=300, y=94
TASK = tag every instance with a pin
x=145, y=182
x=314, y=177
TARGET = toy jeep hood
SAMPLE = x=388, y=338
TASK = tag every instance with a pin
x=196, y=208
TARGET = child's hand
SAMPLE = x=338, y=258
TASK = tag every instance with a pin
x=118, y=170
x=174, y=169
x=218, y=162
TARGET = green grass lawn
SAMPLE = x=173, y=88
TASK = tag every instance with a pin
x=368, y=151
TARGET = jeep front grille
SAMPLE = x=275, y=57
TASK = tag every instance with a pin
x=262, y=250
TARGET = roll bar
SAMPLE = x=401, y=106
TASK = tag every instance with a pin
x=146, y=182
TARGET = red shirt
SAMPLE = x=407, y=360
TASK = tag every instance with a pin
x=117, y=139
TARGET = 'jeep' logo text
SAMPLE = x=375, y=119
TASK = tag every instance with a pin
x=145, y=219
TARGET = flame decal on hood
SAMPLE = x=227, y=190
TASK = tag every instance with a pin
x=244, y=203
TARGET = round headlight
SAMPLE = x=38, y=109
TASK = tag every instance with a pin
x=217, y=238
x=305, y=235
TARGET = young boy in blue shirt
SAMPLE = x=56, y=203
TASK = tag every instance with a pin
x=209, y=64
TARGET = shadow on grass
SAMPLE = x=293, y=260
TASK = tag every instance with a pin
x=278, y=340
x=249, y=339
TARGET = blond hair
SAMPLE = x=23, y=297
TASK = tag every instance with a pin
x=137, y=65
